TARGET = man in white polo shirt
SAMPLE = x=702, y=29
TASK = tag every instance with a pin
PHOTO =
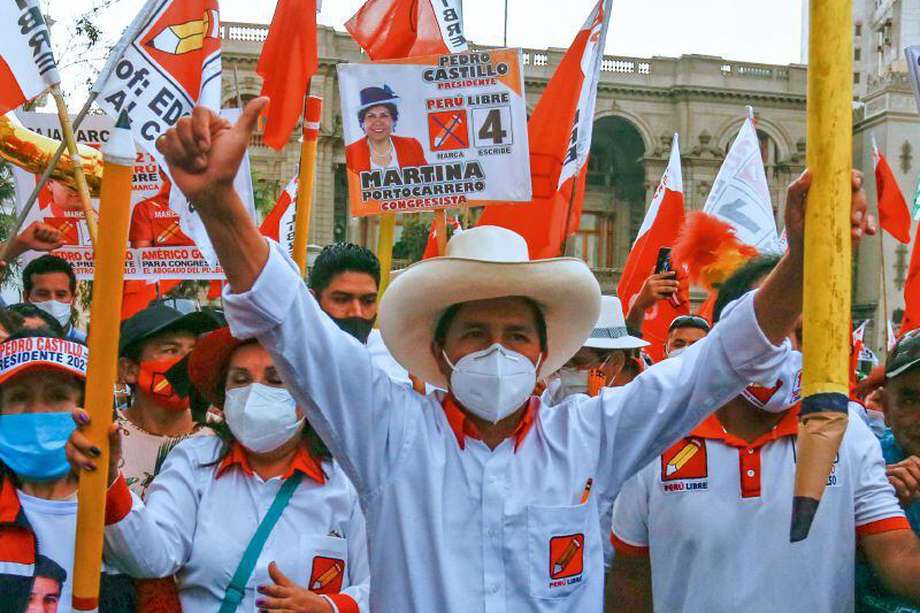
x=479, y=499
x=705, y=526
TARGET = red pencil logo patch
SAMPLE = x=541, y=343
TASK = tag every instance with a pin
x=685, y=460
x=327, y=575
x=566, y=556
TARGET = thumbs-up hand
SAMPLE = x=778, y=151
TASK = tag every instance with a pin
x=204, y=151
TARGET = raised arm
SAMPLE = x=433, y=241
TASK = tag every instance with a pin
x=361, y=415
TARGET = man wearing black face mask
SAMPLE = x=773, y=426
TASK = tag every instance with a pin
x=345, y=280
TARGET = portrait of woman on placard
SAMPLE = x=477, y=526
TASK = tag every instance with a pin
x=380, y=148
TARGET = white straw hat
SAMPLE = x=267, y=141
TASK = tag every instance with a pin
x=479, y=264
x=610, y=330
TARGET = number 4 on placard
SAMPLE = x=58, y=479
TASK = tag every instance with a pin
x=492, y=126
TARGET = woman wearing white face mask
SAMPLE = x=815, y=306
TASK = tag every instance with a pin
x=201, y=514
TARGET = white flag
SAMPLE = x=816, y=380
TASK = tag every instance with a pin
x=172, y=64
x=740, y=195
x=27, y=67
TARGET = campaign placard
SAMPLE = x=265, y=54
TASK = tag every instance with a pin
x=435, y=132
x=154, y=224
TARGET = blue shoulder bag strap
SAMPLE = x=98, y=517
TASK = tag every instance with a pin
x=237, y=587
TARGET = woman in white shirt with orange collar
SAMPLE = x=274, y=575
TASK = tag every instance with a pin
x=204, y=512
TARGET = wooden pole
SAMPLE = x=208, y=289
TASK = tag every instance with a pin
x=79, y=177
x=306, y=180
x=440, y=230
x=385, y=233
x=826, y=311
x=115, y=208
x=886, y=312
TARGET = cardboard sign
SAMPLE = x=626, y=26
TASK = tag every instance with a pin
x=435, y=131
x=153, y=222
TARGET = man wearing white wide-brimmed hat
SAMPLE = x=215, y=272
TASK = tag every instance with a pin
x=599, y=361
x=480, y=498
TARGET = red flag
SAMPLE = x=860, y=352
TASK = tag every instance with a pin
x=278, y=225
x=660, y=228
x=390, y=29
x=27, y=67
x=708, y=308
x=894, y=216
x=431, y=247
x=911, y=317
x=287, y=62
x=559, y=132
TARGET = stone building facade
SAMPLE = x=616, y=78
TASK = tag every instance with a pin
x=641, y=103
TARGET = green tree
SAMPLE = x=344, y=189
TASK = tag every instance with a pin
x=414, y=237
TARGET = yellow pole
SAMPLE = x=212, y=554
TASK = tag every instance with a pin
x=306, y=180
x=385, y=234
x=78, y=176
x=826, y=309
x=115, y=208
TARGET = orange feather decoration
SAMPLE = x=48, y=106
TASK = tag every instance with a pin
x=709, y=251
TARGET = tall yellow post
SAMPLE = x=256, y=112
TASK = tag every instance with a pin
x=78, y=176
x=115, y=207
x=385, y=234
x=825, y=384
x=306, y=180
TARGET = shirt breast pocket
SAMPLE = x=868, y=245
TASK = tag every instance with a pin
x=325, y=557
x=557, y=549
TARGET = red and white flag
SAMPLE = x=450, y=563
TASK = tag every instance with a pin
x=662, y=224
x=559, y=132
x=911, y=319
x=431, y=247
x=171, y=63
x=391, y=29
x=27, y=66
x=740, y=195
x=278, y=225
x=288, y=60
x=893, y=213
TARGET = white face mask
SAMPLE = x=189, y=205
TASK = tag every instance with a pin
x=262, y=418
x=61, y=311
x=785, y=394
x=676, y=352
x=493, y=383
x=573, y=381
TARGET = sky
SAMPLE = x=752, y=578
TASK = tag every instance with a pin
x=748, y=30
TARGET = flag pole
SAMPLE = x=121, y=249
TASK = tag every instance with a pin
x=385, y=233
x=306, y=180
x=881, y=244
x=236, y=86
x=828, y=257
x=79, y=177
x=505, y=38
x=440, y=230
x=115, y=54
x=114, y=214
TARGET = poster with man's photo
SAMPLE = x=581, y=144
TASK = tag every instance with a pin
x=158, y=248
x=434, y=132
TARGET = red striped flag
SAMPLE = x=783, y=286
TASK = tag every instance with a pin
x=27, y=66
x=390, y=29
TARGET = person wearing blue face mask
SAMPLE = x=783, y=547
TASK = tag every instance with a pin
x=41, y=382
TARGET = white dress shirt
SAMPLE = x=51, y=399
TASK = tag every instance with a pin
x=199, y=515
x=453, y=526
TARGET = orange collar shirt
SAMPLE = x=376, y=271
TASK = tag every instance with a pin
x=201, y=511
x=713, y=513
x=454, y=526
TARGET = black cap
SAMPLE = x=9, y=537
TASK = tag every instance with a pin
x=162, y=316
x=905, y=355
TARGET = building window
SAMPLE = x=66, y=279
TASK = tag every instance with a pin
x=856, y=78
x=857, y=55
x=594, y=240
x=858, y=29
